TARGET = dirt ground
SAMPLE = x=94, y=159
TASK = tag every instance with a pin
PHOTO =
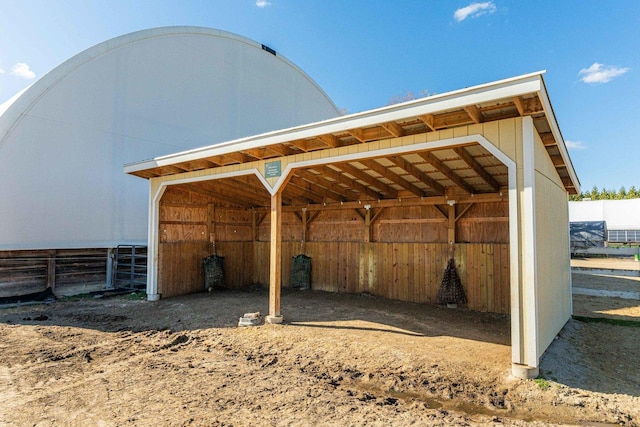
x=337, y=360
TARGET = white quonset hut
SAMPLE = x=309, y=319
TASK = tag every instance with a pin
x=64, y=139
x=376, y=199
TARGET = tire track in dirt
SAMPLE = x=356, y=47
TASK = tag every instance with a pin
x=47, y=390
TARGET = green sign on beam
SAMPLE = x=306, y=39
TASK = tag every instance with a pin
x=272, y=169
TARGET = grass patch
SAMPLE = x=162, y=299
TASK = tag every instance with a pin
x=135, y=296
x=543, y=383
x=615, y=322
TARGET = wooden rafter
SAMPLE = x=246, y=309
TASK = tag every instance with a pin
x=334, y=186
x=446, y=171
x=223, y=194
x=198, y=165
x=532, y=106
x=477, y=167
x=256, y=153
x=315, y=188
x=417, y=173
x=474, y=113
x=547, y=139
x=329, y=140
x=428, y=120
x=517, y=101
x=557, y=160
x=239, y=187
x=352, y=183
x=393, y=177
x=280, y=149
x=452, y=118
x=357, y=134
x=238, y=157
x=300, y=144
x=298, y=193
x=393, y=128
x=369, y=179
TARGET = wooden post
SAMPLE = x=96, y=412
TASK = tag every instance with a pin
x=254, y=225
x=305, y=229
x=275, y=260
x=451, y=232
x=367, y=225
x=211, y=227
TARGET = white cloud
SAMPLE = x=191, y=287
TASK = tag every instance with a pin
x=22, y=70
x=262, y=3
x=599, y=73
x=474, y=10
x=1, y=70
x=575, y=145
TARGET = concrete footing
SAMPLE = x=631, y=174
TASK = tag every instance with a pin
x=153, y=297
x=524, y=372
x=274, y=320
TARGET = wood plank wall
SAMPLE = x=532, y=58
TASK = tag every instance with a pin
x=403, y=271
x=28, y=271
x=405, y=261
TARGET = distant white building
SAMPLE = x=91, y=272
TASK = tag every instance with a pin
x=64, y=140
x=622, y=217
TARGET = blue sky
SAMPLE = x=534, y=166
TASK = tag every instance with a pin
x=366, y=53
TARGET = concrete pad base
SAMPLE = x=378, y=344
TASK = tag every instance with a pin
x=153, y=297
x=274, y=320
x=524, y=372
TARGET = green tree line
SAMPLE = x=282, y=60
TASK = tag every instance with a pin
x=605, y=194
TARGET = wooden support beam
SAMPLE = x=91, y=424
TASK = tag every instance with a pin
x=393, y=128
x=346, y=192
x=557, y=160
x=326, y=171
x=305, y=228
x=443, y=211
x=300, y=144
x=464, y=211
x=315, y=188
x=385, y=189
x=357, y=134
x=451, y=229
x=474, y=113
x=517, y=101
x=428, y=120
x=224, y=195
x=477, y=167
x=368, y=235
x=393, y=177
x=256, y=153
x=548, y=140
x=329, y=140
x=275, y=257
x=198, y=165
x=409, y=201
x=446, y=171
x=280, y=149
x=417, y=173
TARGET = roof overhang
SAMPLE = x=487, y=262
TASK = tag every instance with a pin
x=524, y=95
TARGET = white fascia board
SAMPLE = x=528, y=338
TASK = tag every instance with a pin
x=555, y=129
x=516, y=86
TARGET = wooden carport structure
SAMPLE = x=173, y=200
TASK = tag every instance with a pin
x=376, y=198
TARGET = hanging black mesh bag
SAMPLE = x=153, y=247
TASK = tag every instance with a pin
x=300, y=276
x=451, y=290
x=213, y=272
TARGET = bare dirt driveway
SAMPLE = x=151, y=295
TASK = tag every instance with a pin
x=337, y=360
